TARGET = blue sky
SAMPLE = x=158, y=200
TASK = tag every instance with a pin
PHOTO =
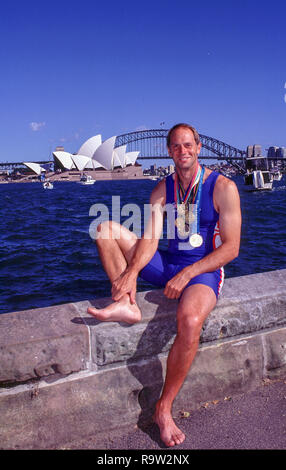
x=70, y=70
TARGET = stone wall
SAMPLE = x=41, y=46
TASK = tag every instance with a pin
x=64, y=375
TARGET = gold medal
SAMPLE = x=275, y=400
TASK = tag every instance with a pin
x=180, y=223
x=190, y=216
x=186, y=222
x=181, y=227
x=181, y=209
x=186, y=211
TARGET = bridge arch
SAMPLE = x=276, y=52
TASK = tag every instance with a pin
x=152, y=145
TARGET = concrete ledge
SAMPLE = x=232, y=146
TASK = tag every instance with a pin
x=41, y=342
x=248, y=304
x=49, y=414
x=65, y=376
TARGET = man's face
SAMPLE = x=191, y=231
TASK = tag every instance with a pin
x=183, y=148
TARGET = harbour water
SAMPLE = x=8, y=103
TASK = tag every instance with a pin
x=47, y=256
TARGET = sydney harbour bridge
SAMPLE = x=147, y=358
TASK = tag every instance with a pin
x=152, y=146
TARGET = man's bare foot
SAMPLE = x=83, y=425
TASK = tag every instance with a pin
x=170, y=434
x=121, y=310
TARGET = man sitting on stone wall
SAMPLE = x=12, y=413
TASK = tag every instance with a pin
x=207, y=219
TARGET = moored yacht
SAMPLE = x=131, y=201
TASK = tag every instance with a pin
x=258, y=180
x=257, y=177
x=87, y=179
x=48, y=185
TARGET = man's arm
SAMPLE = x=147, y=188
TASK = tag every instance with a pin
x=146, y=246
x=227, y=203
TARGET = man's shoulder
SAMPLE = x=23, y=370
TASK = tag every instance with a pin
x=225, y=190
x=159, y=192
x=224, y=183
x=161, y=185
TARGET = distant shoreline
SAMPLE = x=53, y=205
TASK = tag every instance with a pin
x=129, y=173
x=66, y=179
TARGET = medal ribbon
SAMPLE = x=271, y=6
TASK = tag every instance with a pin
x=179, y=194
x=198, y=200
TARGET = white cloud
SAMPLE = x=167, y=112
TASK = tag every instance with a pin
x=36, y=126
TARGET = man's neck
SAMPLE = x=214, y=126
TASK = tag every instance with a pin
x=186, y=175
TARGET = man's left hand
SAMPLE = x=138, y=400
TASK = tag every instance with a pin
x=175, y=286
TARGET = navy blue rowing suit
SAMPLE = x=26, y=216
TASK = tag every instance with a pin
x=165, y=264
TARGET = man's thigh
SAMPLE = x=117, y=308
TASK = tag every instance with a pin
x=214, y=280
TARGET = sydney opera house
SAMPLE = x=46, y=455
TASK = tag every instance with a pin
x=101, y=160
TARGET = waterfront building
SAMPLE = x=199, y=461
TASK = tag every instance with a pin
x=272, y=152
x=95, y=154
x=101, y=160
x=253, y=151
x=249, y=151
x=281, y=153
x=257, y=151
x=255, y=160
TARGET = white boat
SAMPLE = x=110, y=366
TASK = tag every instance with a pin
x=258, y=177
x=87, y=179
x=258, y=180
x=48, y=185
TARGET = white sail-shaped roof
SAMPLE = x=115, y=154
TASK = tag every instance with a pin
x=120, y=152
x=89, y=146
x=116, y=163
x=130, y=157
x=89, y=165
x=65, y=159
x=104, y=153
x=34, y=167
x=127, y=161
x=96, y=164
x=92, y=165
x=80, y=161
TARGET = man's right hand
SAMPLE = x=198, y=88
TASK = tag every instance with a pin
x=126, y=283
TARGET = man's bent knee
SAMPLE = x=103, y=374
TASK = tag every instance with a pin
x=195, y=305
x=189, y=328
x=107, y=230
